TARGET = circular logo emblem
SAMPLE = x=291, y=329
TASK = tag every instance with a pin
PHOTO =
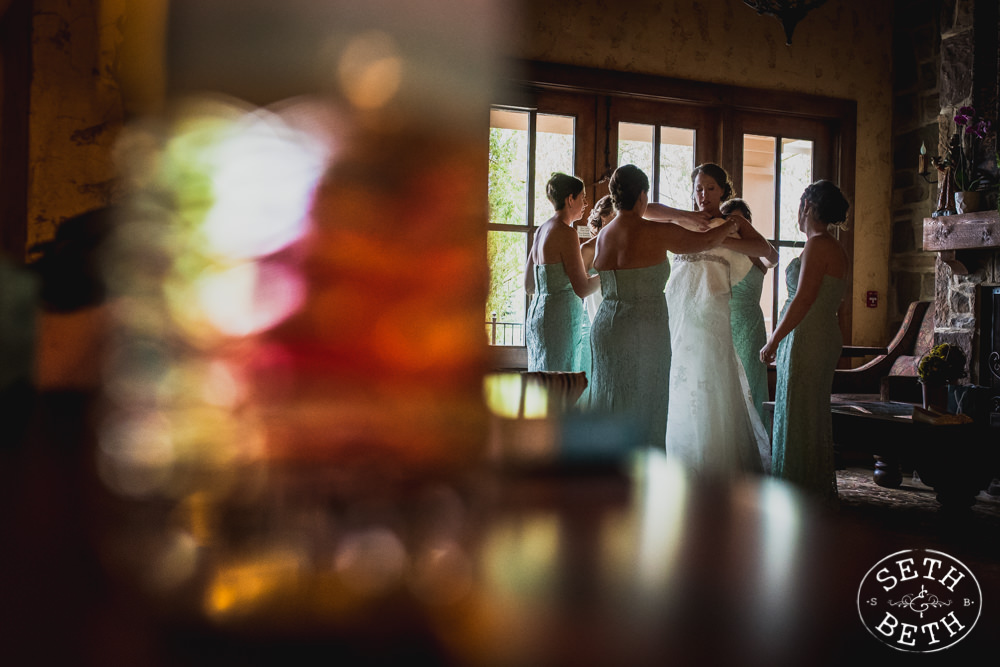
x=919, y=600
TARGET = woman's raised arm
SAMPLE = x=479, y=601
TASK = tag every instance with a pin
x=696, y=221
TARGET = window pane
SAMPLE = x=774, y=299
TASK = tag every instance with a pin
x=635, y=146
x=786, y=255
x=508, y=167
x=553, y=152
x=767, y=294
x=676, y=163
x=506, y=252
x=758, y=182
x=796, y=174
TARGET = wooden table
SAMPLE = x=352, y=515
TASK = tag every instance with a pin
x=957, y=460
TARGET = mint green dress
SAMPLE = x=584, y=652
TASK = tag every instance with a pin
x=750, y=335
x=806, y=359
x=630, y=349
x=554, y=324
x=591, y=303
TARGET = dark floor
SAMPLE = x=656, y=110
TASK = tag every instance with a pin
x=911, y=517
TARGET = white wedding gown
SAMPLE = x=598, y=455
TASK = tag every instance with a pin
x=712, y=424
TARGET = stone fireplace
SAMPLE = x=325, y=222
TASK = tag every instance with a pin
x=967, y=279
x=967, y=246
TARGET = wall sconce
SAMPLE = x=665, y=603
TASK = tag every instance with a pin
x=789, y=12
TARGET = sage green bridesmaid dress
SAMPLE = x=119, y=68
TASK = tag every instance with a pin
x=750, y=335
x=803, y=428
x=591, y=303
x=554, y=323
x=630, y=350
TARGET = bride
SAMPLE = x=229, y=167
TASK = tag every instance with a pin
x=712, y=425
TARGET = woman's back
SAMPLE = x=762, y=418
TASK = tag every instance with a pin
x=630, y=346
x=629, y=244
x=554, y=333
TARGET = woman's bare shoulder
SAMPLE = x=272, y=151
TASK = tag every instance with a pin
x=824, y=244
x=828, y=252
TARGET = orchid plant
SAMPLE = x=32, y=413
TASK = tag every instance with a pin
x=965, y=146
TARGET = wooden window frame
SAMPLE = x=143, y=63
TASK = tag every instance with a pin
x=721, y=113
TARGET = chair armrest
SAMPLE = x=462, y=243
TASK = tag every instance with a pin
x=862, y=351
x=866, y=379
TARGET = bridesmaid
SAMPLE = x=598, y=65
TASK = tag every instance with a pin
x=746, y=317
x=599, y=216
x=556, y=278
x=630, y=340
x=807, y=343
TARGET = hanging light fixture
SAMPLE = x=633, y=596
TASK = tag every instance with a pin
x=789, y=12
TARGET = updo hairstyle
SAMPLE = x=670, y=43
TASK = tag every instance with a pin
x=828, y=201
x=736, y=205
x=603, y=207
x=718, y=174
x=627, y=184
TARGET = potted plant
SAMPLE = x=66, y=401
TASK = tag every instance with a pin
x=969, y=179
x=943, y=365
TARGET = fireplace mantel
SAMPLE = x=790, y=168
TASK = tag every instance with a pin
x=954, y=235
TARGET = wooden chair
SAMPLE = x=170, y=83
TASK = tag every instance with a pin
x=894, y=375
x=563, y=388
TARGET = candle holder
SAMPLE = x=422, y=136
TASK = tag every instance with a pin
x=945, y=198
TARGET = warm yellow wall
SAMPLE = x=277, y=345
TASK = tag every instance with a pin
x=76, y=112
x=95, y=62
x=842, y=49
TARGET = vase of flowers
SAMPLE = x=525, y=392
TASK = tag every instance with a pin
x=970, y=179
x=943, y=365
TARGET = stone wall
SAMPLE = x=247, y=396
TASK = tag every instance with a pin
x=969, y=60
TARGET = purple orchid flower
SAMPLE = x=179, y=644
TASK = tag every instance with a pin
x=979, y=129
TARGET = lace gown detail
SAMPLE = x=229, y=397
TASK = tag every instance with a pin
x=749, y=335
x=806, y=359
x=630, y=347
x=554, y=323
x=712, y=425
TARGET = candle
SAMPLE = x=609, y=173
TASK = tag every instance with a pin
x=923, y=163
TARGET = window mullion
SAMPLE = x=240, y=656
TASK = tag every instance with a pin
x=530, y=221
x=656, y=163
x=532, y=142
x=775, y=284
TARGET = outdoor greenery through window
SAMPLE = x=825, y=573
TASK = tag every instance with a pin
x=671, y=149
x=525, y=149
x=554, y=125
x=775, y=172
